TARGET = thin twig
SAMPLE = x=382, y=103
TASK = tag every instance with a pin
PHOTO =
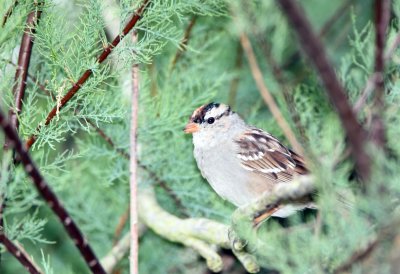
x=50, y=197
x=120, y=226
x=184, y=42
x=9, y=12
x=382, y=14
x=85, y=76
x=151, y=173
x=134, y=255
x=235, y=81
x=314, y=49
x=20, y=254
x=269, y=100
x=372, y=80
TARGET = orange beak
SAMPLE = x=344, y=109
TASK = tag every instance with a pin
x=191, y=127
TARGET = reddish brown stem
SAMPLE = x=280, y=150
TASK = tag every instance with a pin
x=85, y=76
x=315, y=51
x=21, y=74
x=19, y=254
x=382, y=14
x=50, y=197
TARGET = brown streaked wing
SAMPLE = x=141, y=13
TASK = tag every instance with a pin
x=262, y=153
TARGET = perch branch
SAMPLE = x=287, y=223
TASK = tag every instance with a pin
x=85, y=76
x=382, y=14
x=51, y=199
x=134, y=256
x=199, y=234
x=314, y=49
x=20, y=254
x=269, y=100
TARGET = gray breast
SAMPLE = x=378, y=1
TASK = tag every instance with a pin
x=222, y=169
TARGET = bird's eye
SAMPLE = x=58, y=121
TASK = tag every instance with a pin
x=210, y=120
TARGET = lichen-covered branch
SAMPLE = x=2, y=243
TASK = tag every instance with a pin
x=296, y=191
x=197, y=233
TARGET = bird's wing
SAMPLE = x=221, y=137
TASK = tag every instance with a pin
x=262, y=153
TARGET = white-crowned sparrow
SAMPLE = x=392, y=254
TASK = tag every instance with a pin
x=240, y=161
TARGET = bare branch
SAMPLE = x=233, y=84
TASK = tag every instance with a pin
x=382, y=14
x=314, y=49
x=134, y=261
x=24, y=59
x=51, y=199
x=20, y=254
x=269, y=100
x=85, y=76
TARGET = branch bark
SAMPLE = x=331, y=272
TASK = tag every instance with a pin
x=85, y=76
x=134, y=261
x=50, y=197
x=20, y=255
x=315, y=51
x=382, y=14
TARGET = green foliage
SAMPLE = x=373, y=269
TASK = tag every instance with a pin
x=91, y=178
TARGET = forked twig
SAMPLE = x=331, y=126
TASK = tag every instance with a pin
x=51, y=199
x=85, y=76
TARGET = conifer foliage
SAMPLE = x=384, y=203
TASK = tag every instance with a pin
x=320, y=76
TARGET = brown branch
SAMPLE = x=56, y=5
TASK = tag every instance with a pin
x=357, y=256
x=85, y=76
x=9, y=12
x=314, y=49
x=20, y=255
x=269, y=100
x=50, y=197
x=382, y=14
x=24, y=58
x=323, y=31
x=184, y=42
x=134, y=254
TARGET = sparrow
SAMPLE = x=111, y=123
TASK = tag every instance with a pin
x=240, y=161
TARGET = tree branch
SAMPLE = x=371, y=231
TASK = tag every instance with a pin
x=134, y=257
x=199, y=234
x=314, y=49
x=269, y=100
x=85, y=76
x=382, y=14
x=50, y=197
x=20, y=255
